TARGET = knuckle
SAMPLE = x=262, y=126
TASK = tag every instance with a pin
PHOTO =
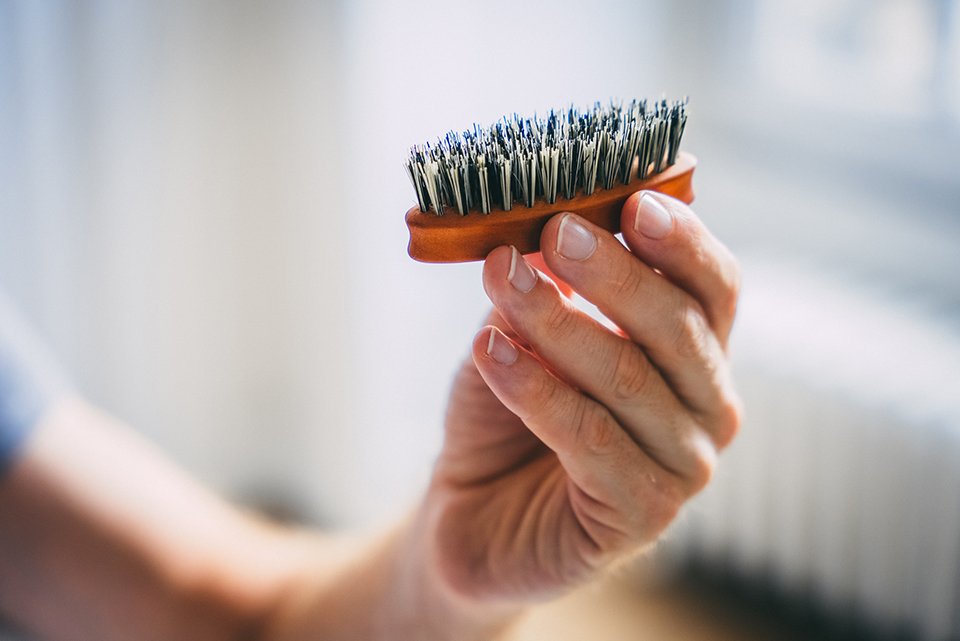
x=728, y=420
x=703, y=465
x=732, y=282
x=547, y=399
x=659, y=500
x=630, y=374
x=627, y=278
x=699, y=252
x=559, y=320
x=690, y=333
x=735, y=274
x=594, y=428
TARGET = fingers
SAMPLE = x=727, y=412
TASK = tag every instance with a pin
x=601, y=459
x=612, y=370
x=667, y=322
x=666, y=235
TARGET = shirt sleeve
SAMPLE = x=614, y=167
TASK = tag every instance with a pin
x=30, y=381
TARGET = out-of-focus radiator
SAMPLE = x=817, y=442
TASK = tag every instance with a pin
x=844, y=485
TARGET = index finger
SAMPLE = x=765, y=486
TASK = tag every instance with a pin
x=666, y=235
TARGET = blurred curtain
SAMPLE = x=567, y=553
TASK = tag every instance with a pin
x=169, y=216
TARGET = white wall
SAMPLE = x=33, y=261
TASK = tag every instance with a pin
x=171, y=217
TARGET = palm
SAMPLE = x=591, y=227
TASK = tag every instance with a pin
x=508, y=526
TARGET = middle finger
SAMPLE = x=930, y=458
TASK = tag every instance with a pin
x=609, y=368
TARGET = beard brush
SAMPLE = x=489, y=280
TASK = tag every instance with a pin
x=499, y=185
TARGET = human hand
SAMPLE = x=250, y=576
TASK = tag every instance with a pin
x=570, y=445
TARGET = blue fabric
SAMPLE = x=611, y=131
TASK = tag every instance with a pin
x=30, y=380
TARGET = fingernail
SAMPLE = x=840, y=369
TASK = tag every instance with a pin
x=653, y=220
x=500, y=349
x=521, y=274
x=574, y=241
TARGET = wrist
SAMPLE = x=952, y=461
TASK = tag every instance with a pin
x=422, y=603
x=388, y=590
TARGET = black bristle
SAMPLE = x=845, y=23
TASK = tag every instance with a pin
x=546, y=158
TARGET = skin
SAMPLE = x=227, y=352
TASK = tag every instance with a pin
x=569, y=446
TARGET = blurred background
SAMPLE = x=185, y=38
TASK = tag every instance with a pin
x=201, y=206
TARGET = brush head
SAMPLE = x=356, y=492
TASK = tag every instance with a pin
x=516, y=170
x=456, y=239
x=523, y=160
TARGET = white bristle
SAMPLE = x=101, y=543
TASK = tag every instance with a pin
x=530, y=159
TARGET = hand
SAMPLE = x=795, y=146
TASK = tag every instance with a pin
x=569, y=445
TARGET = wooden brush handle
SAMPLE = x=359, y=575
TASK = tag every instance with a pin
x=453, y=238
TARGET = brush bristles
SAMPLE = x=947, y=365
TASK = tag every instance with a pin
x=530, y=159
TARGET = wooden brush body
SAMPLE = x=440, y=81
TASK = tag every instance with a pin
x=455, y=238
